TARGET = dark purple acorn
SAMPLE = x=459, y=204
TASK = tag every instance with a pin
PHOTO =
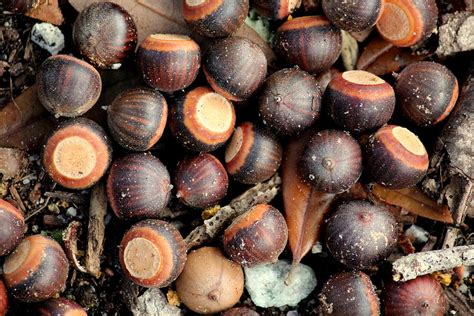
x=138, y=186
x=235, y=67
x=349, y=293
x=105, y=34
x=353, y=15
x=61, y=307
x=137, y=118
x=290, y=101
x=360, y=234
x=331, y=161
x=359, y=101
x=215, y=18
x=169, y=62
x=201, y=181
x=426, y=92
x=276, y=9
x=12, y=228
x=310, y=42
x=422, y=296
x=240, y=311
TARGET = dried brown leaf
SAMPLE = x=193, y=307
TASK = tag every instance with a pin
x=47, y=11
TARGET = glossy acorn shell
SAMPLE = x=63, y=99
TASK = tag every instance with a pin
x=20, y=6
x=61, y=307
x=138, y=186
x=152, y=253
x=311, y=42
x=77, y=154
x=3, y=299
x=395, y=157
x=256, y=237
x=253, y=154
x=169, y=62
x=331, y=161
x=407, y=22
x=359, y=101
x=105, y=34
x=426, y=92
x=36, y=270
x=12, y=228
x=235, y=67
x=290, y=101
x=210, y=283
x=353, y=15
x=201, y=181
x=275, y=9
x=422, y=296
x=202, y=120
x=360, y=234
x=349, y=293
x=215, y=18
x=137, y=118
x=67, y=86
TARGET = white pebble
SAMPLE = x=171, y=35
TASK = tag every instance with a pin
x=48, y=37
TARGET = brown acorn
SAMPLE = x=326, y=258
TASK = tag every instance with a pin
x=36, y=270
x=331, y=161
x=138, y=186
x=152, y=253
x=407, y=22
x=12, y=228
x=276, y=9
x=258, y=236
x=253, y=154
x=202, y=120
x=20, y=6
x=360, y=234
x=137, y=118
x=67, y=86
x=3, y=299
x=105, y=34
x=215, y=18
x=349, y=293
x=169, y=62
x=77, y=154
x=311, y=42
x=359, y=101
x=353, y=15
x=395, y=157
x=235, y=67
x=240, y=311
x=290, y=101
x=61, y=307
x=426, y=92
x=201, y=181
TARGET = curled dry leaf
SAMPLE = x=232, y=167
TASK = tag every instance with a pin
x=70, y=237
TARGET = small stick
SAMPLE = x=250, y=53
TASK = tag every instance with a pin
x=421, y=263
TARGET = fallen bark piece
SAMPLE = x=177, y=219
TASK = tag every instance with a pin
x=458, y=303
x=12, y=162
x=96, y=229
x=421, y=263
x=456, y=33
x=47, y=11
x=260, y=193
x=70, y=237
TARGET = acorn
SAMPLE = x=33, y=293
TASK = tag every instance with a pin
x=61, y=307
x=20, y=6
x=276, y=9
x=67, y=86
x=253, y=154
x=290, y=101
x=331, y=161
x=3, y=299
x=201, y=181
x=12, y=228
x=420, y=296
x=202, y=120
x=240, y=311
x=311, y=42
x=426, y=92
x=210, y=283
x=360, y=234
x=137, y=118
x=215, y=18
x=395, y=157
x=353, y=15
x=235, y=67
x=349, y=293
x=169, y=62
x=77, y=154
x=36, y=270
x=152, y=253
x=407, y=22
x=258, y=236
x=138, y=186
x=359, y=101
x=105, y=34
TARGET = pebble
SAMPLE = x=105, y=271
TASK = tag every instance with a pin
x=48, y=37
